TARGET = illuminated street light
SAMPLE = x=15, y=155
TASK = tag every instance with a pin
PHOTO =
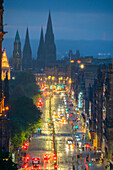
x=49, y=77
x=70, y=81
x=3, y=109
x=7, y=108
x=72, y=61
x=78, y=61
x=82, y=66
x=53, y=78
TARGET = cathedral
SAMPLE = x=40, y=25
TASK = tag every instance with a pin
x=46, y=53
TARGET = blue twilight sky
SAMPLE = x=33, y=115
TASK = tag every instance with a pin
x=72, y=19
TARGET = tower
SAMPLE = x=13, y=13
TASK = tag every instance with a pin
x=1, y=39
x=4, y=119
x=6, y=89
x=27, y=53
x=41, y=52
x=50, y=48
x=17, y=61
x=5, y=65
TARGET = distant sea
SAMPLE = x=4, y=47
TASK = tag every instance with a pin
x=86, y=47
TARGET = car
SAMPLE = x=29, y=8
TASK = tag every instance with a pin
x=70, y=143
x=47, y=157
x=35, y=162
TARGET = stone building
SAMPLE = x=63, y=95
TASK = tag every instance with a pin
x=41, y=52
x=108, y=126
x=4, y=109
x=27, y=54
x=5, y=66
x=50, y=48
x=17, y=60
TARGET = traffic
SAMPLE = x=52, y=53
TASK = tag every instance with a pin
x=61, y=142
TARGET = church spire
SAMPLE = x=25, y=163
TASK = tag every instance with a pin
x=27, y=53
x=17, y=61
x=17, y=35
x=49, y=25
x=41, y=38
x=41, y=51
x=50, y=47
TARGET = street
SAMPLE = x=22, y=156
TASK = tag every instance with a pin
x=43, y=143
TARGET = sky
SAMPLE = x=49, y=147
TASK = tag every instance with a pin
x=72, y=19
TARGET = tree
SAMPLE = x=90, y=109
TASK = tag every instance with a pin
x=24, y=117
x=18, y=91
x=23, y=85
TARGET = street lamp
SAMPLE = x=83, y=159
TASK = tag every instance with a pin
x=72, y=61
x=82, y=66
x=70, y=81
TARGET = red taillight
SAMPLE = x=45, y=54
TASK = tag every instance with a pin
x=55, y=166
x=39, y=168
x=26, y=144
x=54, y=156
x=32, y=168
x=24, y=147
x=27, y=157
x=35, y=159
x=87, y=146
x=25, y=166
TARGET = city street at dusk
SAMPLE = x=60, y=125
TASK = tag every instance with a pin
x=56, y=85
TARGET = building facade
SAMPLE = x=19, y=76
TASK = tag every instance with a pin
x=4, y=109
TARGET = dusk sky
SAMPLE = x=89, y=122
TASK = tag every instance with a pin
x=72, y=19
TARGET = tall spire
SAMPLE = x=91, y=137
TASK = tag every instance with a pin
x=49, y=25
x=17, y=61
x=17, y=35
x=5, y=65
x=50, y=47
x=27, y=53
x=41, y=51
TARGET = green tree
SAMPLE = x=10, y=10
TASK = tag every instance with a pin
x=18, y=91
x=23, y=85
x=24, y=117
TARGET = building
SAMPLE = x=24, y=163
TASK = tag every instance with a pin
x=17, y=60
x=5, y=66
x=50, y=48
x=41, y=52
x=108, y=111
x=40, y=77
x=4, y=109
x=27, y=54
